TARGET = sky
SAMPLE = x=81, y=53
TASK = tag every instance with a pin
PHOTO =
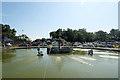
x=38, y=19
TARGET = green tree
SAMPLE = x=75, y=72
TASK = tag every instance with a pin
x=79, y=37
x=24, y=38
x=43, y=40
x=10, y=33
x=84, y=34
x=53, y=34
x=37, y=40
x=101, y=36
x=115, y=34
x=13, y=31
x=90, y=37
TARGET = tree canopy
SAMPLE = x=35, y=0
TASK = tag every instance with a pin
x=11, y=33
x=70, y=35
x=81, y=35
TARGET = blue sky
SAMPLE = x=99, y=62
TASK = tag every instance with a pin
x=38, y=19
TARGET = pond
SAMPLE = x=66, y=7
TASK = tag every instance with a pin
x=24, y=63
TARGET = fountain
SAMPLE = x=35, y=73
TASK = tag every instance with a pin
x=59, y=49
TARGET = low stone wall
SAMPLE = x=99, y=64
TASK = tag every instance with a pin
x=98, y=48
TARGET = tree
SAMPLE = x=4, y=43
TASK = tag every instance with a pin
x=24, y=37
x=36, y=40
x=10, y=33
x=101, y=36
x=53, y=34
x=79, y=37
x=13, y=32
x=70, y=35
x=90, y=37
x=43, y=40
x=115, y=34
x=84, y=34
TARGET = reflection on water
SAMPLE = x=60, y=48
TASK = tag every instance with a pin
x=24, y=63
x=78, y=52
x=87, y=58
x=59, y=61
x=0, y=54
x=0, y=70
x=81, y=61
x=8, y=55
x=90, y=54
x=112, y=57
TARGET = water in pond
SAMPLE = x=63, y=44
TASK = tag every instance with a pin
x=24, y=63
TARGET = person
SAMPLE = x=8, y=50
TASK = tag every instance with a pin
x=39, y=52
x=90, y=51
x=38, y=49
